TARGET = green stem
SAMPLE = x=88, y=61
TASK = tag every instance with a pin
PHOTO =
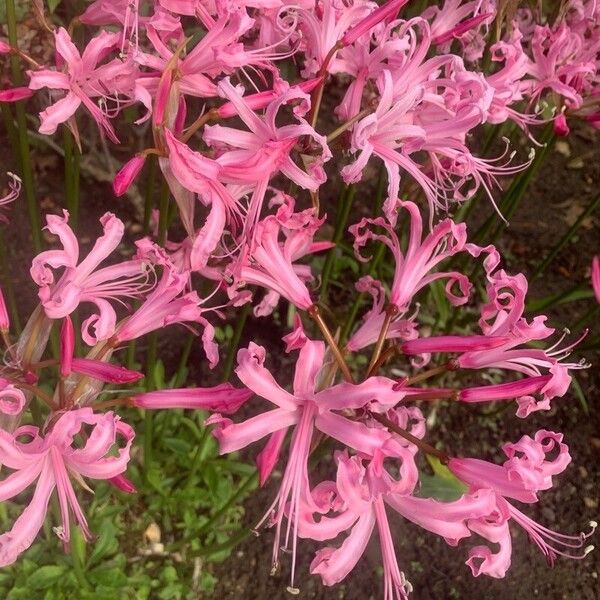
x=183, y=359
x=71, y=176
x=148, y=417
x=242, y=317
x=340, y=224
x=78, y=557
x=24, y=153
x=566, y=238
x=149, y=194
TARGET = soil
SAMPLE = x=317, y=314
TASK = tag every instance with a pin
x=561, y=192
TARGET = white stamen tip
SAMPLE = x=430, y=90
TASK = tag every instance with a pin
x=587, y=550
x=292, y=590
x=531, y=154
x=593, y=524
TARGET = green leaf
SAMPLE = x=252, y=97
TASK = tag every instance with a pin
x=53, y=5
x=441, y=302
x=177, y=445
x=107, y=543
x=45, y=577
x=442, y=485
x=581, y=396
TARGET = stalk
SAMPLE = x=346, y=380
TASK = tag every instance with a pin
x=340, y=224
x=314, y=313
x=242, y=317
x=151, y=356
x=427, y=448
x=24, y=153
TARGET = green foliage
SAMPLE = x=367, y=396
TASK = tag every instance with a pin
x=192, y=494
x=442, y=485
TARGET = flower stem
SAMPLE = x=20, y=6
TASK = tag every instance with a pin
x=390, y=312
x=242, y=317
x=427, y=448
x=429, y=373
x=314, y=313
x=340, y=224
x=24, y=154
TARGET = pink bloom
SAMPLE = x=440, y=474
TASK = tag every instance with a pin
x=368, y=332
x=270, y=264
x=503, y=317
x=387, y=11
x=51, y=460
x=83, y=281
x=83, y=80
x=526, y=471
x=256, y=156
x=561, y=127
x=306, y=409
x=322, y=31
x=14, y=189
x=451, y=343
x=167, y=304
x=414, y=269
x=223, y=398
x=12, y=399
x=96, y=369
x=596, y=277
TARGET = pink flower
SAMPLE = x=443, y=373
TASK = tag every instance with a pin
x=83, y=281
x=168, y=303
x=83, y=80
x=256, y=156
x=306, y=409
x=368, y=332
x=503, y=317
x=52, y=460
x=526, y=471
x=414, y=269
x=14, y=189
x=270, y=264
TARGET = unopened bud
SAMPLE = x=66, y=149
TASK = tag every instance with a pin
x=126, y=176
x=4, y=320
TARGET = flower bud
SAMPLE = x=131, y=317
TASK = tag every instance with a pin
x=67, y=346
x=561, y=126
x=15, y=94
x=126, y=176
x=4, y=320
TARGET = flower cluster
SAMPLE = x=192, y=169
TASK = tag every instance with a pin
x=234, y=97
